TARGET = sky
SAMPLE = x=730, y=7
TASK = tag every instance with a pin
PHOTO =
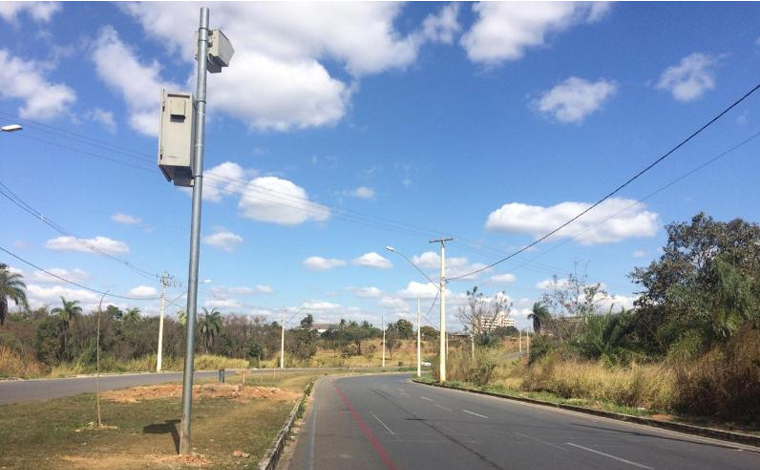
x=340, y=129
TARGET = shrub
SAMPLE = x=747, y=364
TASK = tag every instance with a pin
x=13, y=364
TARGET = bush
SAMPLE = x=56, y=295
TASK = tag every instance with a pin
x=725, y=382
x=13, y=364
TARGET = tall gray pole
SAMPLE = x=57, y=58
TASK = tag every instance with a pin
x=160, y=352
x=444, y=343
x=282, y=342
x=419, y=348
x=195, y=229
x=382, y=320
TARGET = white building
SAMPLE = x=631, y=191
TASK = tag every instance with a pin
x=501, y=319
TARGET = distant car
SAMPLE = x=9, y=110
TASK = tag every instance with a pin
x=425, y=364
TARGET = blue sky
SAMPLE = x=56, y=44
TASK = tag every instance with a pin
x=342, y=128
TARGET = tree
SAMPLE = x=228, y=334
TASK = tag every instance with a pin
x=702, y=289
x=570, y=299
x=404, y=328
x=132, y=315
x=392, y=340
x=255, y=351
x=11, y=288
x=428, y=333
x=307, y=322
x=480, y=313
x=182, y=317
x=68, y=313
x=209, y=325
x=540, y=316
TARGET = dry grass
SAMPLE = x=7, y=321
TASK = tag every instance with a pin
x=13, y=364
x=148, y=364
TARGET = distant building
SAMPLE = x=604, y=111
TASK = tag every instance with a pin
x=500, y=320
x=322, y=327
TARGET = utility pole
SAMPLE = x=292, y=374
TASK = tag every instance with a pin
x=382, y=320
x=419, y=347
x=519, y=340
x=166, y=280
x=527, y=340
x=442, y=289
x=282, y=341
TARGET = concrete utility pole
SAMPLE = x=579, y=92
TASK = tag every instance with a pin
x=166, y=280
x=442, y=289
x=382, y=320
x=282, y=342
x=519, y=340
x=527, y=341
x=419, y=347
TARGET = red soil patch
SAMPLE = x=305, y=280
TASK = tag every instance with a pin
x=207, y=391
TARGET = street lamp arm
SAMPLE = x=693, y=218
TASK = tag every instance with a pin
x=412, y=263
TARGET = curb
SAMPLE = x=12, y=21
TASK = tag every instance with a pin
x=272, y=456
x=734, y=437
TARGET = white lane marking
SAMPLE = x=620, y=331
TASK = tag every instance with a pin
x=384, y=425
x=442, y=407
x=426, y=398
x=610, y=456
x=541, y=441
x=475, y=414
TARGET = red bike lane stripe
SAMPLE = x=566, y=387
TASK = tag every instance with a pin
x=367, y=431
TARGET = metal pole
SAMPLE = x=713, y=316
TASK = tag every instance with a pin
x=519, y=340
x=527, y=340
x=160, y=352
x=195, y=229
x=97, y=352
x=282, y=342
x=382, y=320
x=419, y=348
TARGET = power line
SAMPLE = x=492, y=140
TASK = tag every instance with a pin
x=82, y=286
x=619, y=188
x=18, y=201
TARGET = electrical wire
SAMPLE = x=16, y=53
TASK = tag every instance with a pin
x=82, y=286
x=619, y=188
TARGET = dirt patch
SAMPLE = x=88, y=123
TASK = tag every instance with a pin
x=206, y=391
x=661, y=417
x=127, y=461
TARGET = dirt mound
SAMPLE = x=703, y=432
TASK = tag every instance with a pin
x=207, y=391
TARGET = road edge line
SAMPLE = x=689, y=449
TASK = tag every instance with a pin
x=727, y=437
x=273, y=454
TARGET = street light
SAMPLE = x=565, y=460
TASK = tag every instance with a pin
x=282, y=335
x=419, y=339
x=11, y=128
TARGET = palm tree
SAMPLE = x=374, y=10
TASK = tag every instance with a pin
x=210, y=324
x=68, y=314
x=540, y=316
x=132, y=315
x=11, y=288
x=182, y=317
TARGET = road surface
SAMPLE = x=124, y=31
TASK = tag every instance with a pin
x=16, y=391
x=388, y=423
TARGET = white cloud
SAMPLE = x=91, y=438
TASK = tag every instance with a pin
x=639, y=254
x=222, y=303
x=75, y=275
x=394, y=303
x=455, y=265
x=105, y=118
x=223, y=239
x=367, y=292
x=552, y=284
x=276, y=200
x=372, y=260
x=504, y=30
x=264, y=289
x=223, y=180
x=39, y=11
x=143, y=292
x=442, y=27
x=25, y=81
x=691, y=78
x=420, y=290
x=39, y=296
x=319, y=306
x=281, y=49
x=126, y=219
x=139, y=84
x=88, y=245
x=617, y=302
x=506, y=278
x=317, y=263
x=538, y=220
x=362, y=192
x=575, y=98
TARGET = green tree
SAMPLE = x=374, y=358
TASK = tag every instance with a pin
x=540, y=316
x=11, y=288
x=68, y=314
x=307, y=321
x=255, y=351
x=428, y=333
x=209, y=325
x=132, y=315
x=404, y=328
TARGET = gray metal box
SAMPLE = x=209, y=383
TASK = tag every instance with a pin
x=220, y=51
x=176, y=136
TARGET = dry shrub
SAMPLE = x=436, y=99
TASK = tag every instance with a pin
x=13, y=364
x=725, y=382
x=646, y=386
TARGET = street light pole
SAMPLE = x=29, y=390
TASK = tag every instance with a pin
x=195, y=229
x=282, y=341
x=419, y=348
x=442, y=289
x=382, y=320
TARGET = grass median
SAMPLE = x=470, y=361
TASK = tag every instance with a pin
x=141, y=426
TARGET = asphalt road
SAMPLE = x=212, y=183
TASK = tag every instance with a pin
x=387, y=422
x=17, y=391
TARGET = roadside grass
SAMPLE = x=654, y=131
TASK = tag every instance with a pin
x=59, y=434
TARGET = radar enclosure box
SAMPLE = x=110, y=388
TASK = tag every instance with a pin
x=220, y=51
x=176, y=137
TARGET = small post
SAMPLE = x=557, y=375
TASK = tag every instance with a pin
x=519, y=340
x=282, y=342
x=97, y=360
x=382, y=320
x=419, y=347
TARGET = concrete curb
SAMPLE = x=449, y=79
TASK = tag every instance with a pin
x=272, y=457
x=735, y=437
